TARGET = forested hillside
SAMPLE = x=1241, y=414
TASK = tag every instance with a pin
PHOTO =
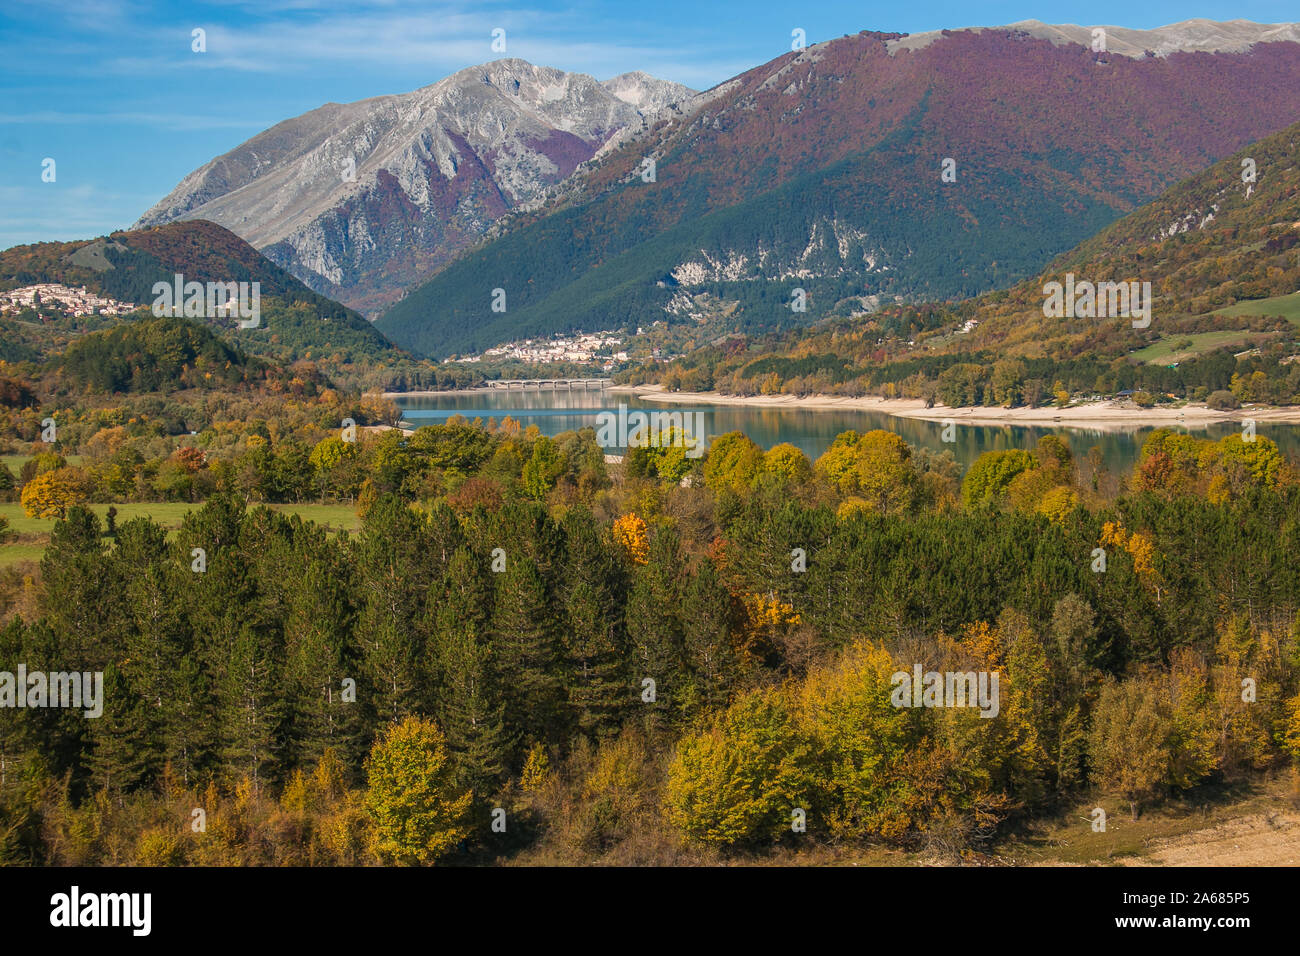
x=296, y=322
x=151, y=354
x=1221, y=252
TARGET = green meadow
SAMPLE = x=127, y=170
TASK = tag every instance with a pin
x=1179, y=348
x=1287, y=306
x=15, y=462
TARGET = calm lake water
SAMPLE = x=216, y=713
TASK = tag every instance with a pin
x=811, y=430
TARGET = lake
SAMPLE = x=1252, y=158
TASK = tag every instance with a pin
x=811, y=430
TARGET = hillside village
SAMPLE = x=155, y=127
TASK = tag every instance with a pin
x=579, y=348
x=67, y=299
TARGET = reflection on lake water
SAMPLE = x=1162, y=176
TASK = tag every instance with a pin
x=811, y=430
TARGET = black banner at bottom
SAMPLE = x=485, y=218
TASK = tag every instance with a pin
x=731, y=904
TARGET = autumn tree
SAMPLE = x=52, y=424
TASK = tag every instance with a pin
x=632, y=536
x=739, y=781
x=785, y=463
x=52, y=493
x=875, y=467
x=859, y=745
x=733, y=462
x=989, y=478
x=330, y=461
x=1129, y=742
x=416, y=812
x=1192, y=712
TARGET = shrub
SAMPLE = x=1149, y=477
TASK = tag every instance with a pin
x=1222, y=401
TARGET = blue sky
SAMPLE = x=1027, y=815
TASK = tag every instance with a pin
x=111, y=90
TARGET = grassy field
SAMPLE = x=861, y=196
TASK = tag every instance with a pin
x=11, y=554
x=1287, y=306
x=334, y=517
x=1173, y=349
x=34, y=532
x=15, y=462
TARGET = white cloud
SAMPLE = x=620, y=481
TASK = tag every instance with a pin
x=442, y=40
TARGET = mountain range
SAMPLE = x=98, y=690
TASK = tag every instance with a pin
x=510, y=200
x=362, y=200
x=824, y=171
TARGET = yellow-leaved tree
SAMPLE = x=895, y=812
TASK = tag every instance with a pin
x=415, y=810
x=51, y=494
x=537, y=770
x=740, y=780
x=733, y=463
x=1141, y=548
x=1246, y=681
x=860, y=745
x=785, y=462
x=633, y=537
x=1194, y=713
x=875, y=466
x=767, y=620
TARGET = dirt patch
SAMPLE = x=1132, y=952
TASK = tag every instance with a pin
x=1271, y=838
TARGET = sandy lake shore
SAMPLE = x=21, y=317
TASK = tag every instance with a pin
x=1098, y=416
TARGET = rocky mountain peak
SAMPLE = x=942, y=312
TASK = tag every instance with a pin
x=360, y=200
